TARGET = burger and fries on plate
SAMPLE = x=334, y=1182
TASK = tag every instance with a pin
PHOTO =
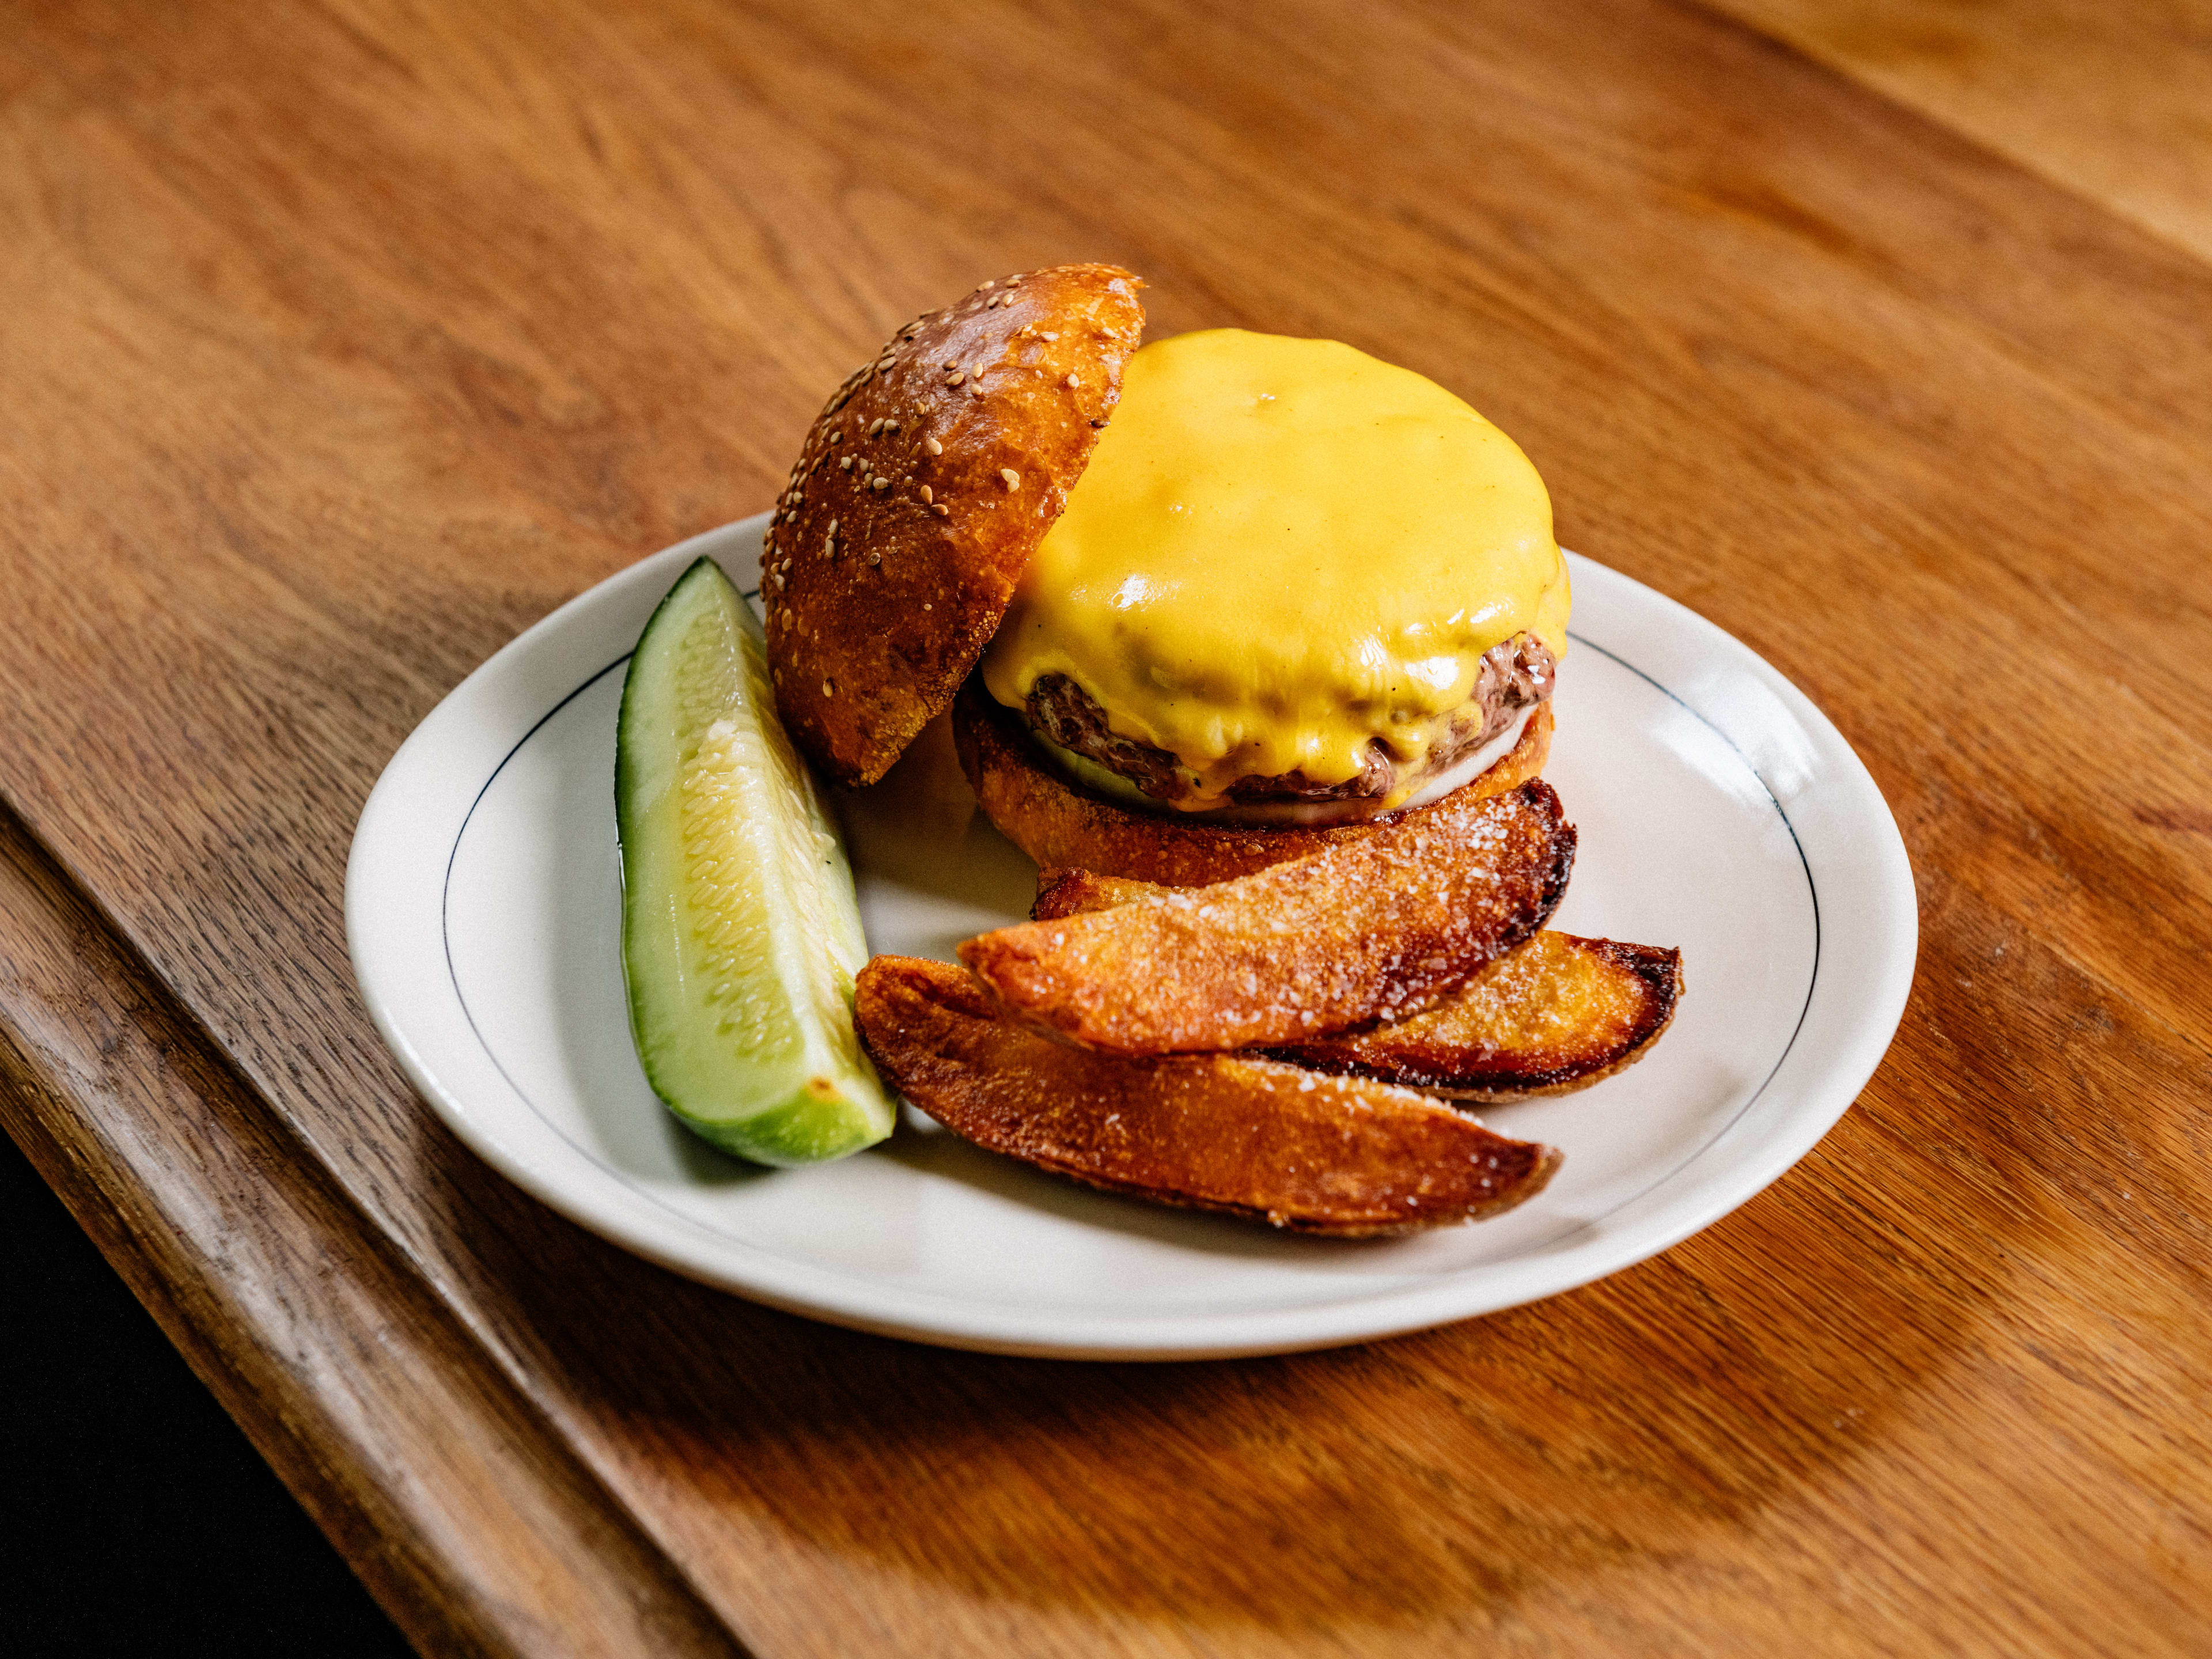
x=1249, y=642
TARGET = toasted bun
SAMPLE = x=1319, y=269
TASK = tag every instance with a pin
x=1061, y=827
x=872, y=629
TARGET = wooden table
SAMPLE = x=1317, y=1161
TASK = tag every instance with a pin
x=340, y=342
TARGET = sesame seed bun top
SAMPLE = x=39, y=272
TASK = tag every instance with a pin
x=923, y=489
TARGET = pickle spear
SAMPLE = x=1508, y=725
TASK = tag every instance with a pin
x=740, y=931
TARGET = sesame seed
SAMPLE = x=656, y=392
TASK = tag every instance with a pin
x=924, y=607
x=828, y=690
x=875, y=425
x=926, y=496
x=992, y=283
x=890, y=428
x=875, y=559
x=833, y=528
x=955, y=380
x=932, y=446
x=992, y=304
x=1049, y=334
x=880, y=483
x=845, y=464
x=1014, y=281
x=942, y=512
x=1013, y=479
x=837, y=437
x=1072, y=380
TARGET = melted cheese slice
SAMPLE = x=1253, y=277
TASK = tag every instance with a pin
x=1281, y=552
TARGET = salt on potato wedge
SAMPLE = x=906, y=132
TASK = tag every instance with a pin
x=1371, y=929
x=1344, y=1155
x=1554, y=1014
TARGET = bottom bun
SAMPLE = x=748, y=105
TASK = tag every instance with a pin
x=1062, y=826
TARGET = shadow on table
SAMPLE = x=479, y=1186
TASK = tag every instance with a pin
x=1442, y=1476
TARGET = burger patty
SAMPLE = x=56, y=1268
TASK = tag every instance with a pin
x=1515, y=675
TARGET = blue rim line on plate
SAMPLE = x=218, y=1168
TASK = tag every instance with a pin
x=399, y=884
x=1812, y=980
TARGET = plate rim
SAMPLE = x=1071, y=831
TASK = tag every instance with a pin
x=1888, y=915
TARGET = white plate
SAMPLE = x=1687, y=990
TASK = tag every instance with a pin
x=1718, y=810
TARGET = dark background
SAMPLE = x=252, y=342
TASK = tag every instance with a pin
x=143, y=1522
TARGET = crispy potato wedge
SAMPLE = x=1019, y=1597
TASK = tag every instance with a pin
x=1063, y=893
x=1333, y=1155
x=1061, y=827
x=1371, y=929
x=1553, y=1015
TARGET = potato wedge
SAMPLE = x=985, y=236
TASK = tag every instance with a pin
x=1060, y=826
x=1254, y=1137
x=1062, y=893
x=1554, y=1014
x=1373, y=929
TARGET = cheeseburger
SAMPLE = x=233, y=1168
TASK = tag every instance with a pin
x=1294, y=584
x=1213, y=601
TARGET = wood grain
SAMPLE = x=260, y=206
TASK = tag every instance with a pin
x=2111, y=101
x=342, y=340
x=350, y=1378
